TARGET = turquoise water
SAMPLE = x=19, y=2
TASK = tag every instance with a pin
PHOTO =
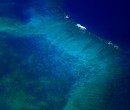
x=50, y=62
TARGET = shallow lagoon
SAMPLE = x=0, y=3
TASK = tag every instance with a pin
x=48, y=63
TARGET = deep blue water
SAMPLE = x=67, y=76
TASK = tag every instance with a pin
x=36, y=71
x=107, y=18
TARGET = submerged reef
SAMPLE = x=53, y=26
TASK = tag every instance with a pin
x=49, y=62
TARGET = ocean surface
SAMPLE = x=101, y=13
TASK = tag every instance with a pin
x=63, y=55
x=109, y=19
